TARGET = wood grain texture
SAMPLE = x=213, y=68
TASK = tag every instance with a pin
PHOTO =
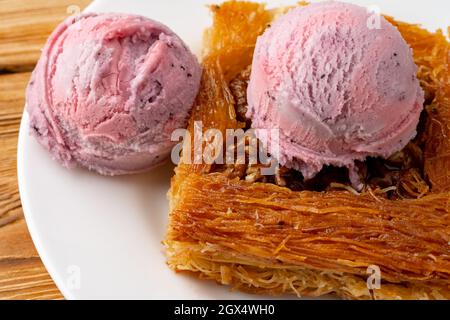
x=22, y=274
x=24, y=27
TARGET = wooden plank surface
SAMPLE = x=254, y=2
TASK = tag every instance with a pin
x=24, y=27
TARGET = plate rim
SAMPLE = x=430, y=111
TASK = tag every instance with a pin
x=36, y=235
x=26, y=208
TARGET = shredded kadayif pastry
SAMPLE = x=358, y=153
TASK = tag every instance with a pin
x=282, y=235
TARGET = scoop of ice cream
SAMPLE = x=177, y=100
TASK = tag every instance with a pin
x=338, y=86
x=108, y=91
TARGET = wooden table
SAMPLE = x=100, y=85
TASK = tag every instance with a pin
x=24, y=27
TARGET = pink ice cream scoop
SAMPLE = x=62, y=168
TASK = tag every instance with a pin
x=340, y=85
x=108, y=91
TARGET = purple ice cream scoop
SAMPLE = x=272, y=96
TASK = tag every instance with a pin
x=109, y=90
x=337, y=89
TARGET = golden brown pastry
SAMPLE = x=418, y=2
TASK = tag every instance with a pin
x=279, y=234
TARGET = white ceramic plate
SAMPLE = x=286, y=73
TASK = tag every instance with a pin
x=100, y=237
